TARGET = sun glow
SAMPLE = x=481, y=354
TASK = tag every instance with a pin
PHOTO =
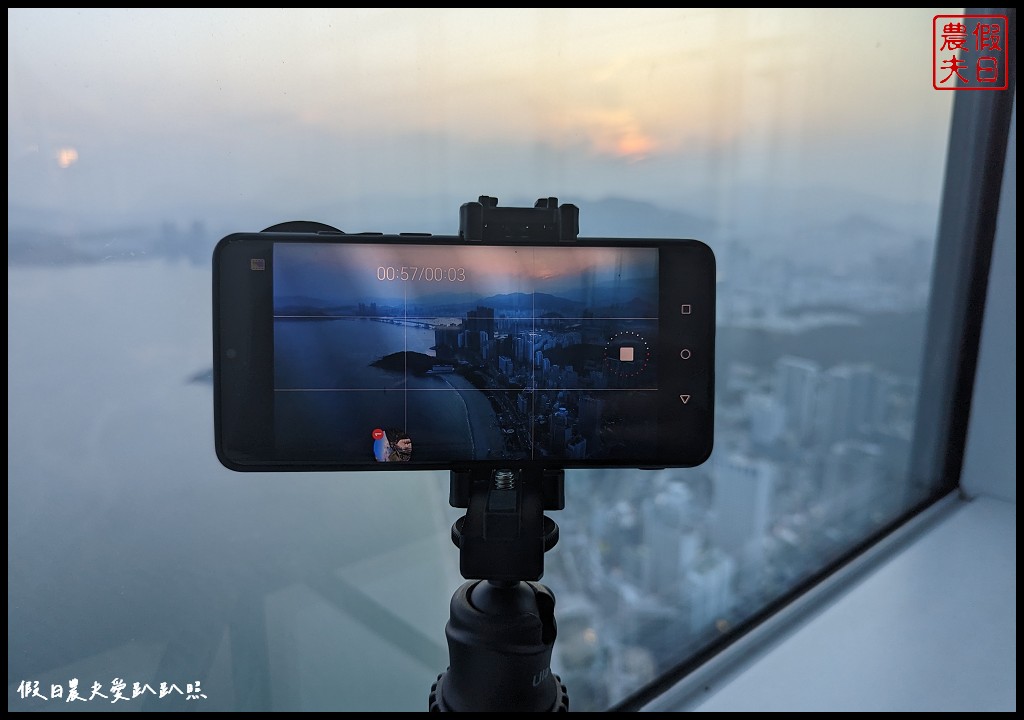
x=66, y=157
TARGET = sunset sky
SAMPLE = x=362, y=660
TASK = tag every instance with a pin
x=133, y=113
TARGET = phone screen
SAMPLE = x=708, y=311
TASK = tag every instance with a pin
x=443, y=355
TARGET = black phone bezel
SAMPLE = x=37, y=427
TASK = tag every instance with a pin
x=243, y=354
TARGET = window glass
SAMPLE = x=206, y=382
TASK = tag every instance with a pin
x=806, y=148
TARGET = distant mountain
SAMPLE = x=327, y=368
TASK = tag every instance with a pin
x=533, y=302
x=455, y=300
x=622, y=217
x=612, y=288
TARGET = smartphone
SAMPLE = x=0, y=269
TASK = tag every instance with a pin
x=338, y=352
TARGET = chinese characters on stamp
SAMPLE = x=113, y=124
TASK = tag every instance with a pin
x=969, y=52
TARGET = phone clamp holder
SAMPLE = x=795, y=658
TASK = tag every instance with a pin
x=546, y=221
x=502, y=627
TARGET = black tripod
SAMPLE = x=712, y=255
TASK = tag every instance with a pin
x=502, y=626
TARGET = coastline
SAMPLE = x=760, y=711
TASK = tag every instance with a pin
x=480, y=417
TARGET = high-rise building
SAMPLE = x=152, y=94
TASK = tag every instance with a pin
x=743, y=488
x=767, y=418
x=519, y=348
x=847, y=403
x=741, y=508
x=502, y=344
x=671, y=541
x=709, y=589
x=576, y=448
x=446, y=340
x=796, y=382
x=560, y=427
x=505, y=365
x=590, y=409
x=481, y=319
x=853, y=483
